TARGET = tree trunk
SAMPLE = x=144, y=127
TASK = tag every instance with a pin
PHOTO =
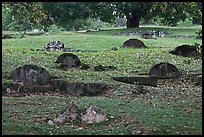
x=133, y=22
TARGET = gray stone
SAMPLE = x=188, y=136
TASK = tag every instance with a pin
x=58, y=84
x=75, y=89
x=198, y=80
x=164, y=70
x=148, y=36
x=93, y=89
x=30, y=75
x=68, y=60
x=134, y=43
x=185, y=50
x=54, y=45
x=85, y=89
x=93, y=115
x=138, y=80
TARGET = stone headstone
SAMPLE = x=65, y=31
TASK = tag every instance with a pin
x=134, y=43
x=185, y=50
x=164, y=70
x=68, y=60
x=30, y=75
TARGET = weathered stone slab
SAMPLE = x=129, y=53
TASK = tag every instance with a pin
x=164, y=70
x=30, y=75
x=148, y=36
x=197, y=80
x=93, y=115
x=85, y=89
x=134, y=43
x=54, y=45
x=36, y=89
x=93, y=89
x=185, y=51
x=58, y=84
x=68, y=60
x=74, y=114
x=139, y=80
x=71, y=113
x=75, y=89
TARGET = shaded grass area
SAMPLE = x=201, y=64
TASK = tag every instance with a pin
x=174, y=107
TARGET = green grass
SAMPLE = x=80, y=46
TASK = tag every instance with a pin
x=169, y=109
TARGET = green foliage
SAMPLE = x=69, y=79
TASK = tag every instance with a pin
x=6, y=17
x=22, y=16
x=64, y=13
x=173, y=12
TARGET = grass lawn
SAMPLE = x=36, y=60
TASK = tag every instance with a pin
x=174, y=107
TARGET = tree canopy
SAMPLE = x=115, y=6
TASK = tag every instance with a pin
x=27, y=14
x=22, y=15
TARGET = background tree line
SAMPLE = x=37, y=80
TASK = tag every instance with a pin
x=75, y=15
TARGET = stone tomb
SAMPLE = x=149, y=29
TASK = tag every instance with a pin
x=54, y=45
x=185, y=51
x=68, y=60
x=134, y=43
x=30, y=75
x=164, y=70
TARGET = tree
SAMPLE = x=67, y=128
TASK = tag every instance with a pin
x=64, y=13
x=173, y=12
x=6, y=17
x=194, y=9
x=107, y=11
x=133, y=11
x=24, y=15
